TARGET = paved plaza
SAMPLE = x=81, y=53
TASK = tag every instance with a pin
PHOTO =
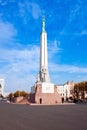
x=57, y=117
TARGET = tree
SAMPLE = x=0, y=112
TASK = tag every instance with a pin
x=80, y=89
x=21, y=93
x=10, y=97
x=17, y=94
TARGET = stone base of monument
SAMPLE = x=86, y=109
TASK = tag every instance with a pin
x=46, y=93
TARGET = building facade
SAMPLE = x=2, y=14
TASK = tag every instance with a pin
x=66, y=90
x=1, y=87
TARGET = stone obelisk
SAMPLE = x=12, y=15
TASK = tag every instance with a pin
x=44, y=92
x=43, y=73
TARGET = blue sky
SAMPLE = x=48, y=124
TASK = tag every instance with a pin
x=20, y=28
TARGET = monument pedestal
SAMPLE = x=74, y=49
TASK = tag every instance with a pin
x=46, y=93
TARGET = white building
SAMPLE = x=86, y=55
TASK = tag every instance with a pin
x=66, y=90
x=6, y=94
x=1, y=86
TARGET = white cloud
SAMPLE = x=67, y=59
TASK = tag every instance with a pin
x=7, y=32
x=20, y=68
x=28, y=9
x=36, y=11
x=83, y=32
x=67, y=68
x=14, y=82
x=54, y=47
x=20, y=60
x=74, y=12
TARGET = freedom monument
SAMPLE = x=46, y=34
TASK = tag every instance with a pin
x=44, y=92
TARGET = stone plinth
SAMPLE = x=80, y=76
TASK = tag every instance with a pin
x=49, y=96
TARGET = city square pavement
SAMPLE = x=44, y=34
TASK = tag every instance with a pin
x=36, y=117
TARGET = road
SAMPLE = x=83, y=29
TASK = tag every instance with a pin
x=26, y=117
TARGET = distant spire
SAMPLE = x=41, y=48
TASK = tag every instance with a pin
x=43, y=24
